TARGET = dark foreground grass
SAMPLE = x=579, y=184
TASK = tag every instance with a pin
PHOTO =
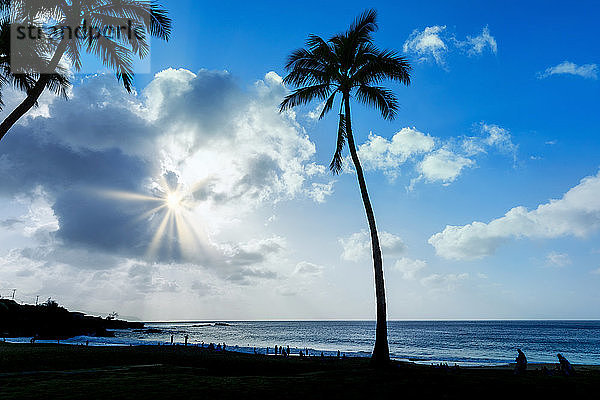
x=153, y=372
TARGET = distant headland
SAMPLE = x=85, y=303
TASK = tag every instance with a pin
x=49, y=321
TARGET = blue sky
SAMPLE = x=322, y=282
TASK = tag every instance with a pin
x=501, y=113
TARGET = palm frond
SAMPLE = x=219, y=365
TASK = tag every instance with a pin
x=137, y=40
x=305, y=95
x=337, y=162
x=364, y=25
x=59, y=85
x=359, y=34
x=317, y=44
x=300, y=76
x=376, y=66
x=154, y=18
x=74, y=53
x=328, y=105
x=302, y=58
x=381, y=98
x=115, y=56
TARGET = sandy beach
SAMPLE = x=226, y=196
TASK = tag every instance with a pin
x=141, y=372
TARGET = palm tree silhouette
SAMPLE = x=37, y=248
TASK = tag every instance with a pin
x=116, y=51
x=58, y=83
x=350, y=64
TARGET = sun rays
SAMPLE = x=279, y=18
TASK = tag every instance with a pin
x=173, y=201
x=170, y=210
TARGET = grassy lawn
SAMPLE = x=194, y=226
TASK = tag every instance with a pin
x=70, y=372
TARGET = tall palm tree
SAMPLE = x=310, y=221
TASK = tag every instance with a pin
x=116, y=51
x=350, y=65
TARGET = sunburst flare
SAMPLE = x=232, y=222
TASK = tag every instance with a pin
x=175, y=210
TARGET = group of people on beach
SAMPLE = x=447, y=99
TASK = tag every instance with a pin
x=564, y=367
x=281, y=351
x=211, y=346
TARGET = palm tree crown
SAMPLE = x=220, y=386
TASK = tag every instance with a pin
x=58, y=82
x=115, y=50
x=348, y=64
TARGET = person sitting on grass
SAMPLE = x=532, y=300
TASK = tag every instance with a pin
x=521, y=363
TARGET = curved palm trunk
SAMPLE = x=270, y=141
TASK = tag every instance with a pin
x=34, y=94
x=381, y=352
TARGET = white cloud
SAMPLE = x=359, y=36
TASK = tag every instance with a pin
x=491, y=137
x=447, y=282
x=358, y=245
x=307, y=268
x=434, y=42
x=498, y=137
x=391, y=244
x=588, y=71
x=427, y=44
x=577, y=213
x=554, y=259
x=596, y=271
x=409, y=268
x=316, y=112
x=443, y=165
x=320, y=191
x=476, y=45
x=378, y=153
x=40, y=220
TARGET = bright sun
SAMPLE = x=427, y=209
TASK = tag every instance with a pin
x=174, y=212
x=173, y=201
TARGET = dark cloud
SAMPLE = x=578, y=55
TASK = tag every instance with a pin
x=144, y=279
x=202, y=289
x=10, y=223
x=204, y=103
x=244, y=276
x=99, y=115
x=81, y=258
x=31, y=160
x=92, y=220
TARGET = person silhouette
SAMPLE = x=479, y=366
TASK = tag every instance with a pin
x=521, y=365
x=565, y=366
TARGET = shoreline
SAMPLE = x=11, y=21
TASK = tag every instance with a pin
x=327, y=354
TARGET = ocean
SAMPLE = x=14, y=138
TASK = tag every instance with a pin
x=467, y=343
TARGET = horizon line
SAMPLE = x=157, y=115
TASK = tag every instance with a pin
x=372, y=320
